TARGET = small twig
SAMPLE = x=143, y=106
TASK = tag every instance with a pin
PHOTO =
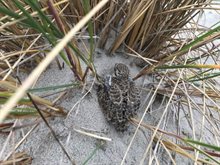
x=62, y=28
x=9, y=127
x=47, y=124
x=81, y=98
x=92, y=135
x=86, y=72
x=21, y=141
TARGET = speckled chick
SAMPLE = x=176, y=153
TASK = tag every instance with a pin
x=119, y=97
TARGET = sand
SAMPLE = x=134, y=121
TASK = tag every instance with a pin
x=84, y=113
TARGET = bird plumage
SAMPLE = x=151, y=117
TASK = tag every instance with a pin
x=119, y=97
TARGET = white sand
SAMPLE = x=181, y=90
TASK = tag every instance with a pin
x=86, y=115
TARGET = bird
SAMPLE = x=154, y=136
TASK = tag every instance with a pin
x=119, y=97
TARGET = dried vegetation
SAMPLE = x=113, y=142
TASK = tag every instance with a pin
x=165, y=37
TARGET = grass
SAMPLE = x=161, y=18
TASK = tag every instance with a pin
x=165, y=39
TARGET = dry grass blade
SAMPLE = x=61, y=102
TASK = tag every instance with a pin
x=162, y=117
x=73, y=59
x=112, y=17
x=5, y=126
x=7, y=90
x=177, y=149
x=92, y=135
x=52, y=131
x=29, y=81
x=139, y=124
x=18, y=144
x=135, y=15
x=179, y=60
x=149, y=32
x=150, y=69
x=18, y=158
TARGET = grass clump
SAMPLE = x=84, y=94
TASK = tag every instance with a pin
x=165, y=39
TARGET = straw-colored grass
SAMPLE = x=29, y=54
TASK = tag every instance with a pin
x=164, y=37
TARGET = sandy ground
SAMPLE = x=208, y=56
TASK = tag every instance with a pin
x=84, y=113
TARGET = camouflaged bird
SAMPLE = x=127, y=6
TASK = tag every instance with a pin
x=119, y=97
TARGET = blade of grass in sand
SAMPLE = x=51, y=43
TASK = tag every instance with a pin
x=49, y=88
x=205, y=77
x=48, y=24
x=213, y=147
x=209, y=36
x=93, y=152
x=50, y=56
x=6, y=95
x=198, y=66
x=188, y=141
x=30, y=22
x=86, y=6
x=23, y=112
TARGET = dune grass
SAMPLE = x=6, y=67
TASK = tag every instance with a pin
x=164, y=37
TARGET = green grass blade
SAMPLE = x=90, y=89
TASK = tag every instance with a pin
x=205, y=77
x=24, y=111
x=196, y=66
x=4, y=96
x=44, y=28
x=201, y=38
x=213, y=147
x=86, y=6
x=48, y=24
x=65, y=86
x=5, y=11
x=98, y=146
x=189, y=141
x=33, y=23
